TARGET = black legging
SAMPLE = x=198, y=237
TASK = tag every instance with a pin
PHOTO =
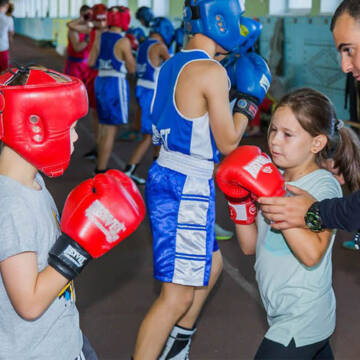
x=272, y=350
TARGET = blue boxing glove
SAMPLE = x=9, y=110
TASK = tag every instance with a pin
x=229, y=63
x=253, y=79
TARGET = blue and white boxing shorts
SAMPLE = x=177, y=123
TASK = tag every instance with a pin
x=181, y=207
x=112, y=99
x=144, y=97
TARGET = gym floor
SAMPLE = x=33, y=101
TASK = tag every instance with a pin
x=115, y=291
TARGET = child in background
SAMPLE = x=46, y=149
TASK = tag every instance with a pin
x=151, y=54
x=112, y=55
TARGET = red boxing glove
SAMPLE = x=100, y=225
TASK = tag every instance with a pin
x=133, y=41
x=250, y=169
x=242, y=211
x=98, y=214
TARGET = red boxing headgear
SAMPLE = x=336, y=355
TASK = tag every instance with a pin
x=119, y=16
x=99, y=12
x=37, y=108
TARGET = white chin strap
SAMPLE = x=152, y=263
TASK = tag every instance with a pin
x=242, y=5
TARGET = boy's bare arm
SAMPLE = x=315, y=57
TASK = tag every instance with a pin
x=123, y=52
x=79, y=25
x=76, y=44
x=158, y=53
x=227, y=129
x=30, y=292
x=163, y=53
x=95, y=49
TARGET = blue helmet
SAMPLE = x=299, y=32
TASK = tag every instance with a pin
x=144, y=14
x=139, y=33
x=164, y=27
x=179, y=37
x=217, y=19
x=250, y=31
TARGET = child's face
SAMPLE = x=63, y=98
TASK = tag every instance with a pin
x=73, y=136
x=290, y=145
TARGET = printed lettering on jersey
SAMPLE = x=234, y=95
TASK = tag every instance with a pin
x=164, y=133
x=105, y=64
x=255, y=166
x=156, y=135
x=140, y=70
x=74, y=256
x=105, y=221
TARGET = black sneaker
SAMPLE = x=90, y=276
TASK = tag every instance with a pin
x=130, y=171
x=91, y=155
x=97, y=171
x=137, y=179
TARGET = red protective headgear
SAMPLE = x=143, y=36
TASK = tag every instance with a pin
x=119, y=16
x=99, y=12
x=37, y=108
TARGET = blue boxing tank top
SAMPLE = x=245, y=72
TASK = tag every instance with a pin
x=171, y=129
x=106, y=61
x=145, y=72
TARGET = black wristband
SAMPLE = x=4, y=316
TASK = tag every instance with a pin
x=68, y=257
x=246, y=105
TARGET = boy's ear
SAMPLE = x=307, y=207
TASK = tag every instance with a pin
x=318, y=143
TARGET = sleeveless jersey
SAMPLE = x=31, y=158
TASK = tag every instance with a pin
x=145, y=71
x=83, y=54
x=171, y=129
x=106, y=62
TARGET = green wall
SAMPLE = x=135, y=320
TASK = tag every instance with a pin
x=176, y=8
x=315, y=7
x=253, y=7
x=256, y=8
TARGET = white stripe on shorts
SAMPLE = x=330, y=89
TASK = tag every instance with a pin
x=191, y=232
x=123, y=100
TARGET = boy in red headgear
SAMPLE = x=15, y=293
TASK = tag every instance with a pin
x=97, y=24
x=112, y=55
x=39, y=257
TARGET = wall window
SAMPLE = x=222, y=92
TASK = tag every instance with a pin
x=53, y=8
x=63, y=9
x=299, y=5
x=31, y=8
x=20, y=9
x=116, y=2
x=44, y=8
x=144, y=3
x=75, y=6
x=329, y=6
x=277, y=7
x=161, y=7
x=284, y=7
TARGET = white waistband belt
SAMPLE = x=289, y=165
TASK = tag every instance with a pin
x=103, y=73
x=146, y=83
x=186, y=164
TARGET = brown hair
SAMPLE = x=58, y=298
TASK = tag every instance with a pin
x=352, y=7
x=317, y=116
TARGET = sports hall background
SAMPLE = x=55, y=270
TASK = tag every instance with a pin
x=115, y=291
